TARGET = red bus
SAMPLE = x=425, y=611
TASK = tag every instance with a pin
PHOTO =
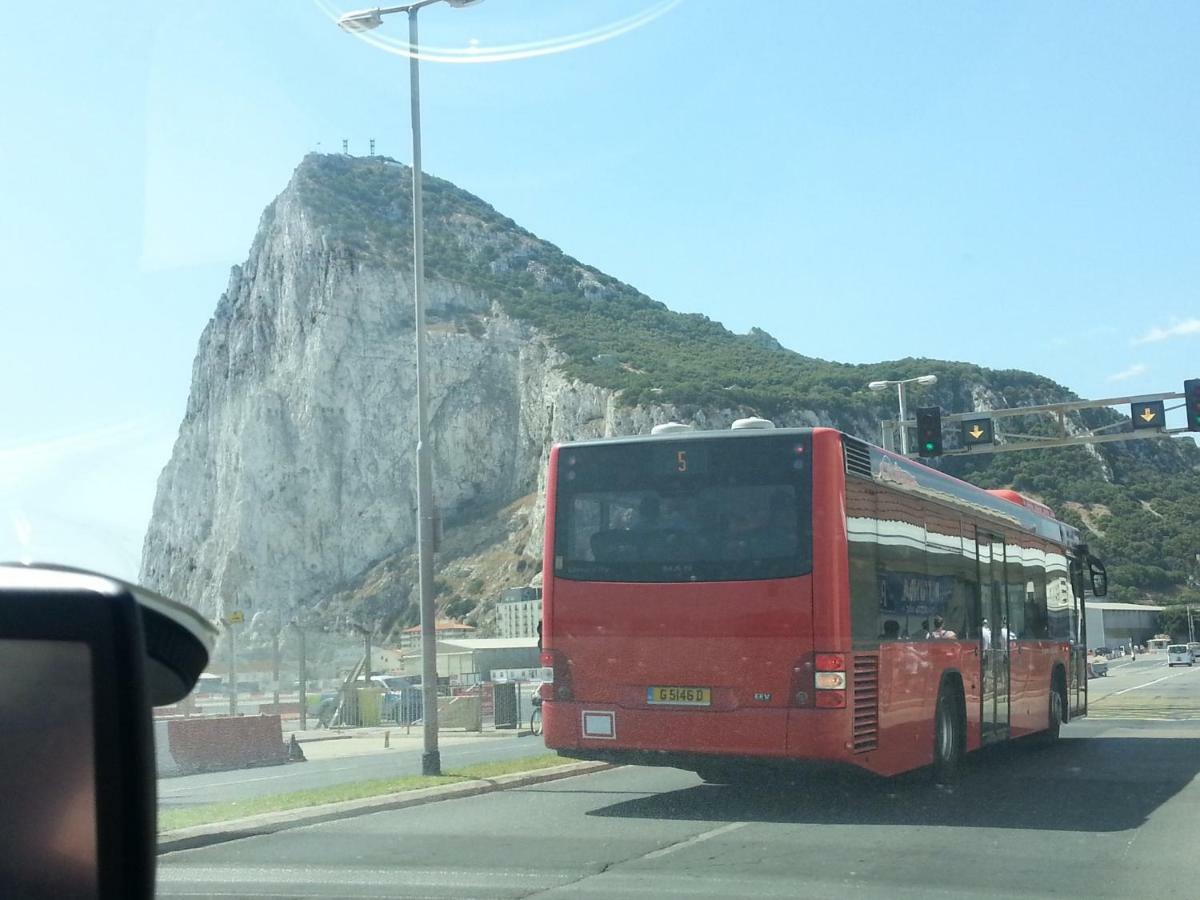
x=720, y=600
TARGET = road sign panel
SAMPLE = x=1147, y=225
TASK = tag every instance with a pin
x=236, y=617
x=978, y=431
x=1147, y=414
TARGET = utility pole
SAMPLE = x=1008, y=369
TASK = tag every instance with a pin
x=367, y=655
x=229, y=626
x=303, y=674
x=275, y=666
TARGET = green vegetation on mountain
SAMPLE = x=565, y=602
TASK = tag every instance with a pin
x=1139, y=502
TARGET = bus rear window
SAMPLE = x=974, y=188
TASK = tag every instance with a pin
x=721, y=509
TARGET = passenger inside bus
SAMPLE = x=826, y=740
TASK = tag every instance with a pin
x=940, y=631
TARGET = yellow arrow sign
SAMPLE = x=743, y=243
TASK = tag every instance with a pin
x=1148, y=415
x=976, y=432
x=236, y=617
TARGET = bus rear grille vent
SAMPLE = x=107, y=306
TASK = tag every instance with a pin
x=858, y=456
x=866, y=703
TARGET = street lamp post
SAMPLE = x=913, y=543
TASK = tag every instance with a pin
x=365, y=20
x=900, y=395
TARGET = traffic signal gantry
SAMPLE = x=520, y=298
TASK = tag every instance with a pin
x=979, y=431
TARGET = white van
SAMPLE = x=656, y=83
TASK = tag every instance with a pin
x=1179, y=654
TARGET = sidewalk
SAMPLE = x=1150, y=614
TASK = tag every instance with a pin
x=327, y=743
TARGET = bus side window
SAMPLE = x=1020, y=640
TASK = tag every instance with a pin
x=1037, y=624
x=1058, y=597
x=967, y=575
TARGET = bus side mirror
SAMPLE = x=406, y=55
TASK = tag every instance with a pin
x=1099, y=577
x=84, y=658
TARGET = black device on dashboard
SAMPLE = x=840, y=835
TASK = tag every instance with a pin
x=83, y=658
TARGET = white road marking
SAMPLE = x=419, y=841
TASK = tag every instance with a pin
x=702, y=836
x=1148, y=683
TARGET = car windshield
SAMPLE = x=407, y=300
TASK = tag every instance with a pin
x=757, y=409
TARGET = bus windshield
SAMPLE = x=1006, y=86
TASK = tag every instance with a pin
x=719, y=509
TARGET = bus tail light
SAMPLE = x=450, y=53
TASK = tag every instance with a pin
x=559, y=687
x=831, y=662
x=829, y=681
x=831, y=699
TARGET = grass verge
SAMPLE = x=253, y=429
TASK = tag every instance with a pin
x=171, y=819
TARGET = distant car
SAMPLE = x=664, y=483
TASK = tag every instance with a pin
x=1097, y=666
x=1194, y=646
x=1179, y=655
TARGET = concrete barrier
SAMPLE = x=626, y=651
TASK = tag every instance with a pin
x=214, y=744
x=460, y=712
x=163, y=760
x=287, y=710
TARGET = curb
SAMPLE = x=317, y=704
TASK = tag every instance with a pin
x=269, y=823
x=342, y=736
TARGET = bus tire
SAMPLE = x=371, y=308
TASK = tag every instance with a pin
x=1058, y=706
x=949, y=735
x=718, y=773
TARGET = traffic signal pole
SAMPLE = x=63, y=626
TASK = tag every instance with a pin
x=1146, y=420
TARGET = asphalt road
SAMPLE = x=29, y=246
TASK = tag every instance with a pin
x=1145, y=689
x=1111, y=811
x=242, y=784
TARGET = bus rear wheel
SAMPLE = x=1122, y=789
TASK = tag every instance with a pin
x=948, y=736
x=1058, y=705
x=717, y=773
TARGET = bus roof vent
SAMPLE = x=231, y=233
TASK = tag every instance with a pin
x=752, y=422
x=858, y=456
x=670, y=428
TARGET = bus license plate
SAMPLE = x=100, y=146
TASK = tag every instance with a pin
x=679, y=696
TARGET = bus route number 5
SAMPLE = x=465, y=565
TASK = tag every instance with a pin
x=680, y=460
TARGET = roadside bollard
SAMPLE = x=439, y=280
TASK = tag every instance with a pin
x=387, y=739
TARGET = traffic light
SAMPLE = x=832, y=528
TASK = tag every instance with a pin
x=1191, y=402
x=929, y=431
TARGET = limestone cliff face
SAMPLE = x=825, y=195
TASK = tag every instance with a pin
x=292, y=472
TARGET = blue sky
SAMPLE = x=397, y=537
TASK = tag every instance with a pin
x=1013, y=184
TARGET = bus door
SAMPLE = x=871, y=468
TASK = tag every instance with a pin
x=993, y=598
x=1077, y=687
